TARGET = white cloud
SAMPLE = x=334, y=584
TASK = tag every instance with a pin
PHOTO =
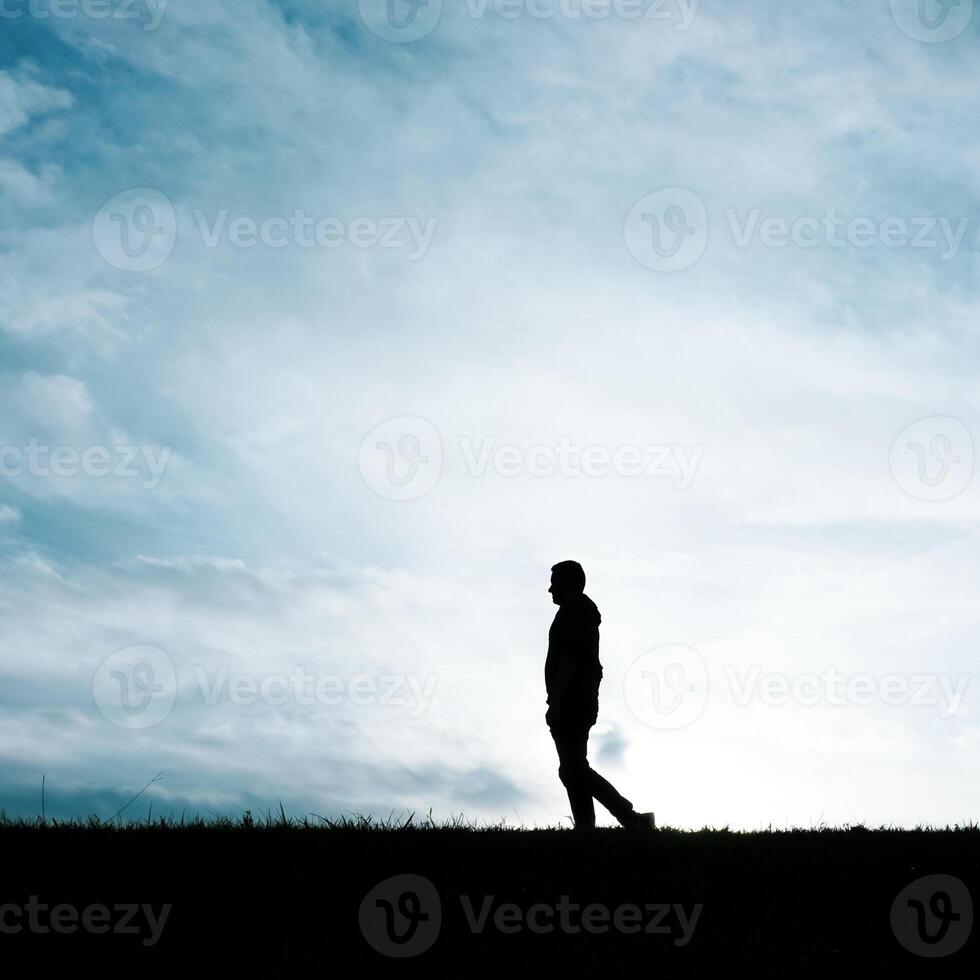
x=22, y=97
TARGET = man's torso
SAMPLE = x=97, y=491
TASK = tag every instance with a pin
x=573, y=657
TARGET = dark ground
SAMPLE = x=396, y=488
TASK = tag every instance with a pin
x=250, y=900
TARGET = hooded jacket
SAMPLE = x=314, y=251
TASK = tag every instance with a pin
x=572, y=671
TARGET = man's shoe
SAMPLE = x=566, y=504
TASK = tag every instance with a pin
x=641, y=821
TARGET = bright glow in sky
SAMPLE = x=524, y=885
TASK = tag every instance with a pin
x=320, y=345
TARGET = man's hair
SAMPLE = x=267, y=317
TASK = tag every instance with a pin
x=572, y=573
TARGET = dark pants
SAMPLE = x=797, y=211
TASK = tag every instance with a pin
x=582, y=782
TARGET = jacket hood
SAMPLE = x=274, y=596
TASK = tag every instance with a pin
x=584, y=606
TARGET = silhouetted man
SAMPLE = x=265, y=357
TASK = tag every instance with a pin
x=572, y=674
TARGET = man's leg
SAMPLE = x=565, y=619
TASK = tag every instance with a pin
x=581, y=781
x=571, y=741
x=606, y=794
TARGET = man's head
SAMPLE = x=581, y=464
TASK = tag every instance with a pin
x=567, y=581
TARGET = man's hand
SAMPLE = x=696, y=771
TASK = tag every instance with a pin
x=553, y=714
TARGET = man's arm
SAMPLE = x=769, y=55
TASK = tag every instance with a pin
x=559, y=684
x=573, y=646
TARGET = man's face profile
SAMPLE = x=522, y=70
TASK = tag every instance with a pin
x=560, y=589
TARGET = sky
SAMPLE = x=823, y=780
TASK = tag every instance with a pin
x=327, y=328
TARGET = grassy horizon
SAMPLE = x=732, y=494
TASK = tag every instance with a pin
x=272, y=820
